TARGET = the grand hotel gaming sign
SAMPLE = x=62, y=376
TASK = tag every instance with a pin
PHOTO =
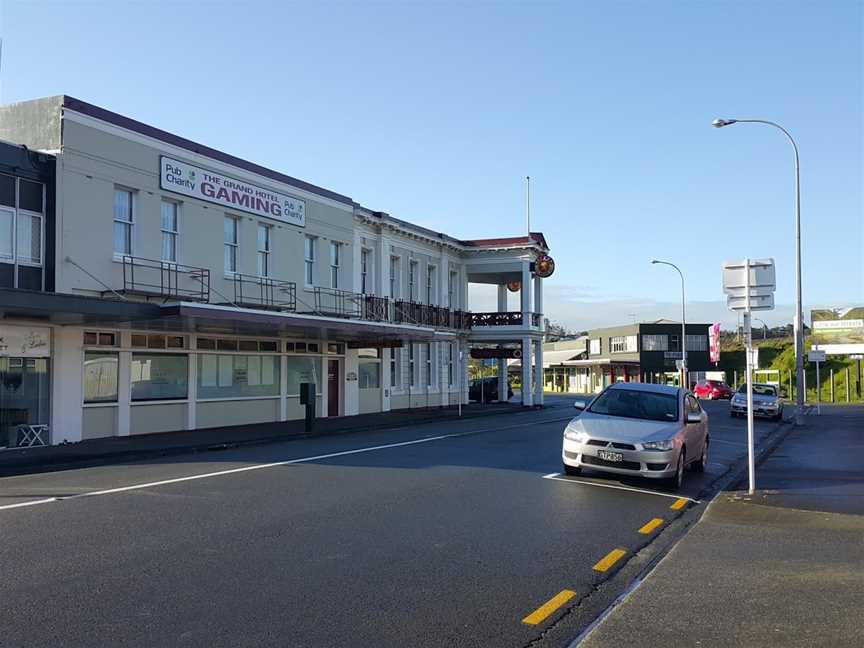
x=203, y=184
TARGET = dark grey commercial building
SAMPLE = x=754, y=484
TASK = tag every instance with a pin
x=639, y=352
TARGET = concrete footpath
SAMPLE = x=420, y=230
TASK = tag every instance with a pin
x=19, y=461
x=784, y=567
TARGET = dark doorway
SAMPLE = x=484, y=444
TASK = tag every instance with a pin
x=332, y=388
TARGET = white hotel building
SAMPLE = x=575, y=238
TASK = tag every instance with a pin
x=163, y=285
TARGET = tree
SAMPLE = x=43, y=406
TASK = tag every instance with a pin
x=556, y=332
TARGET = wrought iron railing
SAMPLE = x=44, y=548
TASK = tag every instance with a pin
x=165, y=279
x=505, y=318
x=264, y=292
x=375, y=309
x=338, y=303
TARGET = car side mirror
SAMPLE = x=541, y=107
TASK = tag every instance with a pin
x=694, y=417
x=580, y=404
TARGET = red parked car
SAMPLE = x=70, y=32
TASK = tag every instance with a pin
x=713, y=390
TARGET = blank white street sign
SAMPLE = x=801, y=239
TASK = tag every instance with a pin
x=757, y=302
x=753, y=278
x=816, y=356
x=762, y=277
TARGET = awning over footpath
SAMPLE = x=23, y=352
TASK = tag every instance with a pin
x=189, y=317
x=228, y=320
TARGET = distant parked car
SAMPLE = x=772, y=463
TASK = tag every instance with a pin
x=489, y=391
x=766, y=402
x=713, y=390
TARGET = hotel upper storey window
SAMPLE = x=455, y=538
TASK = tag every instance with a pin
x=309, y=259
x=230, y=244
x=123, y=221
x=264, y=232
x=170, y=230
x=335, y=261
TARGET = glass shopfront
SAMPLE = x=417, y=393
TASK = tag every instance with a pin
x=24, y=401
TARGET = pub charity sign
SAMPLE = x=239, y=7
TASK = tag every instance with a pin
x=213, y=187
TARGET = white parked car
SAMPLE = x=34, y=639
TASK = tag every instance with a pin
x=638, y=429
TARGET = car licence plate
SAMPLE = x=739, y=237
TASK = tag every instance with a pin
x=610, y=456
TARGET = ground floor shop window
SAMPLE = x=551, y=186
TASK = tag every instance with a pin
x=369, y=369
x=159, y=377
x=303, y=370
x=100, y=377
x=24, y=397
x=238, y=376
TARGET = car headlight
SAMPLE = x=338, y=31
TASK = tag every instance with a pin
x=575, y=435
x=666, y=444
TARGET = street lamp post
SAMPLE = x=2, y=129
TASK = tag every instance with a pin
x=685, y=381
x=799, y=310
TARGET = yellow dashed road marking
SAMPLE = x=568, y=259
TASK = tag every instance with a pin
x=650, y=526
x=542, y=613
x=611, y=558
x=680, y=503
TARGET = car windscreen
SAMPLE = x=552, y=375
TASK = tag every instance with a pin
x=630, y=403
x=759, y=390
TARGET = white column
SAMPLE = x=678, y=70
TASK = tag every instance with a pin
x=385, y=379
x=526, y=293
x=502, y=363
x=124, y=391
x=382, y=267
x=527, y=391
x=350, y=388
x=192, y=388
x=538, y=372
x=283, y=383
x=321, y=409
x=67, y=385
x=538, y=298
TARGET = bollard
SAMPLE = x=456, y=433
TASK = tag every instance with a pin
x=847, y=384
x=832, y=384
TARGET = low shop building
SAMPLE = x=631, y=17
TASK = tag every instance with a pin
x=639, y=352
x=150, y=283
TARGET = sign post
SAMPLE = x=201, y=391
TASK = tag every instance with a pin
x=818, y=357
x=858, y=358
x=461, y=376
x=749, y=285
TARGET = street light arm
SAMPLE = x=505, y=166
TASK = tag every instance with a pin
x=775, y=125
x=683, y=321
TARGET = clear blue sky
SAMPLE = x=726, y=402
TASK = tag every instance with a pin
x=435, y=112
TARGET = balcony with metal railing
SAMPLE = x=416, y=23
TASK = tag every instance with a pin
x=344, y=303
x=496, y=324
x=165, y=280
x=252, y=291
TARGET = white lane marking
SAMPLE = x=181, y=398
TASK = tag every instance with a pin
x=275, y=464
x=30, y=503
x=736, y=443
x=559, y=477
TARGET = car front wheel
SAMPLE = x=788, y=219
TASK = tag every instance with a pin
x=677, y=481
x=702, y=464
x=572, y=471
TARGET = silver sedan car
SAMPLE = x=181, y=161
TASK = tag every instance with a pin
x=766, y=402
x=638, y=429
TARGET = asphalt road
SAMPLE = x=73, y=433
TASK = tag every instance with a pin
x=427, y=536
